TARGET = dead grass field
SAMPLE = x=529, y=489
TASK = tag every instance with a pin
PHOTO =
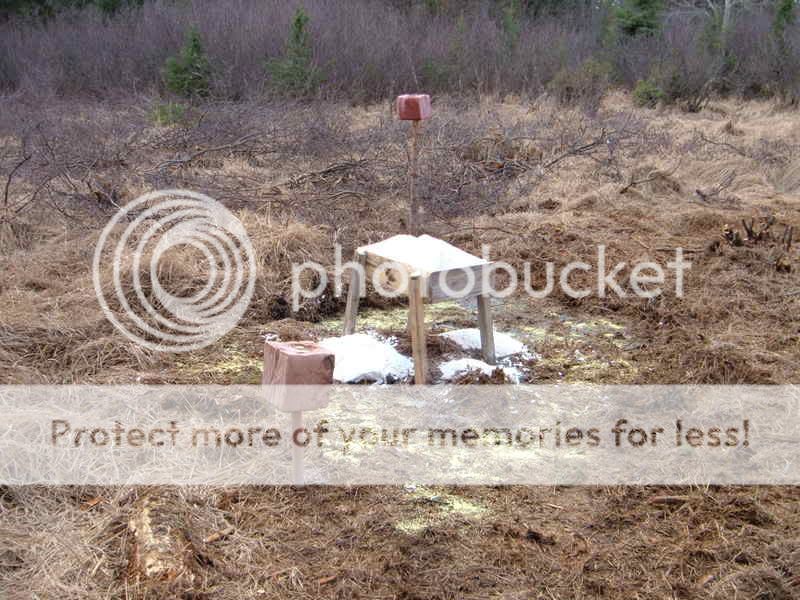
x=534, y=180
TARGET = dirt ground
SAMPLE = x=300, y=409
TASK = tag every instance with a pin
x=535, y=181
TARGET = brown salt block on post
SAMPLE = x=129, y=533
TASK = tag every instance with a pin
x=306, y=367
x=414, y=107
x=297, y=363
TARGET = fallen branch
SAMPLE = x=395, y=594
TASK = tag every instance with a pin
x=219, y=535
x=16, y=168
x=738, y=151
x=161, y=551
x=183, y=161
x=655, y=174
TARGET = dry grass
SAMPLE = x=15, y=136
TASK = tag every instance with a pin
x=413, y=543
x=535, y=182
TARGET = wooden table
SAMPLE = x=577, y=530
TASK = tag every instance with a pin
x=427, y=270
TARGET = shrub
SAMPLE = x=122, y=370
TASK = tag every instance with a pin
x=48, y=9
x=375, y=49
x=679, y=86
x=188, y=74
x=785, y=61
x=169, y=113
x=295, y=74
x=8, y=78
x=434, y=6
x=435, y=75
x=680, y=61
x=584, y=85
x=647, y=93
x=784, y=16
x=512, y=25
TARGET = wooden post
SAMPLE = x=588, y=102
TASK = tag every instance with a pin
x=416, y=317
x=298, y=475
x=486, y=329
x=353, y=294
x=413, y=201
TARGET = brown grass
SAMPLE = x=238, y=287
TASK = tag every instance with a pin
x=301, y=189
x=413, y=543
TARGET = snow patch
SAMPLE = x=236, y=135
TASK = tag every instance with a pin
x=361, y=357
x=470, y=339
x=453, y=368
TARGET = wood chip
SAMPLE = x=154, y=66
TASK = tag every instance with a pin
x=91, y=503
x=668, y=500
x=218, y=535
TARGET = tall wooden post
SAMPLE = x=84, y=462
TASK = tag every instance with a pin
x=414, y=108
x=413, y=174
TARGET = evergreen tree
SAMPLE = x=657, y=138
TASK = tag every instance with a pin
x=295, y=73
x=639, y=17
x=784, y=16
x=188, y=74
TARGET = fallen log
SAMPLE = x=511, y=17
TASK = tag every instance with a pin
x=161, y=552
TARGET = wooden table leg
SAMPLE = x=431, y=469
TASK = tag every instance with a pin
x=487, y=329
x=416, y=316
x=353, y=294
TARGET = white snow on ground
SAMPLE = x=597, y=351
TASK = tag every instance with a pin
x=470, y=339
x=425, y=253
x=452, y=368
x=361, y=357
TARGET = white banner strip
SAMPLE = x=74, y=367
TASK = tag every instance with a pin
x=343, y=435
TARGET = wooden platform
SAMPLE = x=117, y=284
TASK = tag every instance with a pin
x=427, y=270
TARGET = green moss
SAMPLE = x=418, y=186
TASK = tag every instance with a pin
x=395, y=319
x=233, y=367
x=540, y=334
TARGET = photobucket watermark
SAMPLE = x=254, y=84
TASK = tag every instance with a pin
x=498, y=279
x=154, y=251
x=132, y=270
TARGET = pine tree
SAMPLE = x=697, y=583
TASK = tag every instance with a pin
x=639, y=17
x=295, y=74
x=188, y=74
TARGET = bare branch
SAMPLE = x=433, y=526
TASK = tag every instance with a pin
x=16, y=168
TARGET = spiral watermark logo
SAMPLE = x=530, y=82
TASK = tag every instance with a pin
x=138, y=279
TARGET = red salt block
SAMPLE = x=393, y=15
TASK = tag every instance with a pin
x=297, y=363
x=414, y=107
